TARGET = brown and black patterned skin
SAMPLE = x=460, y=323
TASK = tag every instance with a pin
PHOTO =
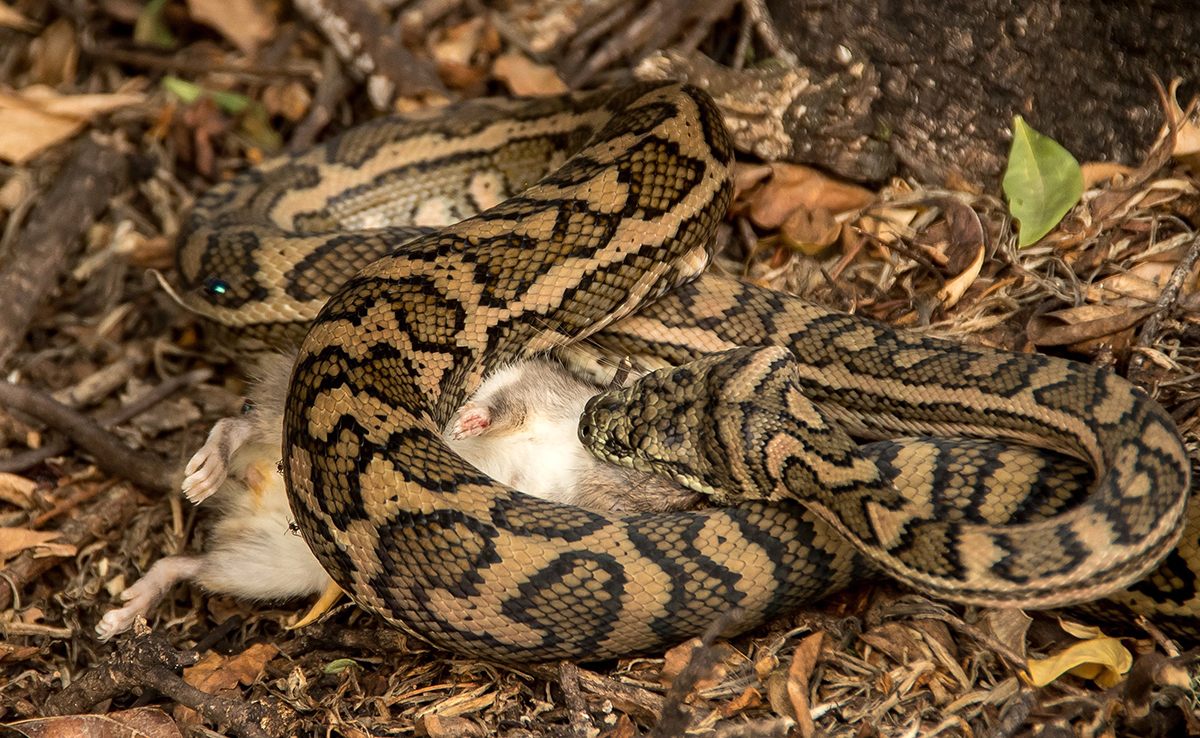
x=421, y=538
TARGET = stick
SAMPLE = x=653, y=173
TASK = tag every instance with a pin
x=145, y=470
x=40, y=256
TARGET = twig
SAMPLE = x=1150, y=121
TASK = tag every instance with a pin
x=1166, y=303
x=357, y=33
x=632, y=37
x=714, y=12
x=640, y=704
x=143, y=469
x=1019, y=709
x=55, y=232
x=147, y=660
x=581, y=721
x=58, y=445
x=174, y=64
x=116, y=507
x=71, y=503
x=330, y=91
x=1166, y=644
x=757, y=10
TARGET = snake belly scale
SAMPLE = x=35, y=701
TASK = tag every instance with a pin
x=609, y=244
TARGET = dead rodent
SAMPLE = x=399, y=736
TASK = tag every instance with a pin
x=519, y=428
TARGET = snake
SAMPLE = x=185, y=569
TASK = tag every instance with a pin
x=412, y=255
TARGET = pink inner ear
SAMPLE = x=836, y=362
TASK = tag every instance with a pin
x=473, y=420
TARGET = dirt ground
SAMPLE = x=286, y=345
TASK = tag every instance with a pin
x=116, y=114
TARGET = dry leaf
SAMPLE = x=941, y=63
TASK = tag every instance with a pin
x=792, y=187
x=1101, y=659
x=1187, y=134
x=896, y=640
x=15, y=540
x=524, y=77
x=810, y=231
x=748, y=699
x=215, y=672
x=1138, y=285
x=889, y=225
x=804, y=660
x=953, y=290
x=459, y=44
x=289, y=99
x=56, y=550
x=140, y=722
x=38, y=117
x=56, y=53
x=438, y=726
x=26, y=132
x=1074, y=326
x=10, y=18
x=1009, y=626
x=1099, y=172
x=677, y=659
x=746, y=177
x=17, y=490
x=244, y=22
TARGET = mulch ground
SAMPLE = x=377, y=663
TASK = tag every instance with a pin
x=115, y=115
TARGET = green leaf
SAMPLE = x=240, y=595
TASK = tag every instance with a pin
x=189, y=92
x=337, y=666
x=1043, y=181
x=150, y=30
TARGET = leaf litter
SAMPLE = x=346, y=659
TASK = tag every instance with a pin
x=871, y=661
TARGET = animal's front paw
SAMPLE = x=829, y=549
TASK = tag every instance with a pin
x=473, y=420
x=208, y=468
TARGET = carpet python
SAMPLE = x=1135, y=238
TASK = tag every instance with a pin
x=411, y=256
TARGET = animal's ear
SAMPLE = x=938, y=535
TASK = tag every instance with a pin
x=473, y=420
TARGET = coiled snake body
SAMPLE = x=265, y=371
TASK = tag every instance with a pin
x=609, y=244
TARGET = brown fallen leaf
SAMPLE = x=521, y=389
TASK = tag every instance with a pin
x=1077, y=325
x=1099, y=172
x=792, y=187
x=1187, y=131
x=1140, y=284
x=1009, y=625
x=455, y=49
x=804, y=660
x=677, y=659
x=895, y=640
x=810, y=231
x=10, y=18
x=56, y=53
x=525, y=77
x=215, y=672
x=17, y=490
x=15, y=540
x=140, y=722
x=436, y=726
x=16, y=653
x=244, y=22
x=289, y=99
x=26, y=132
x=952, y=291
x=37, y=118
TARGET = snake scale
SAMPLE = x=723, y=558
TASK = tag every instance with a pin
x=428, y=250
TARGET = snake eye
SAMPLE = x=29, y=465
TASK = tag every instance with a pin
x=216, y=287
